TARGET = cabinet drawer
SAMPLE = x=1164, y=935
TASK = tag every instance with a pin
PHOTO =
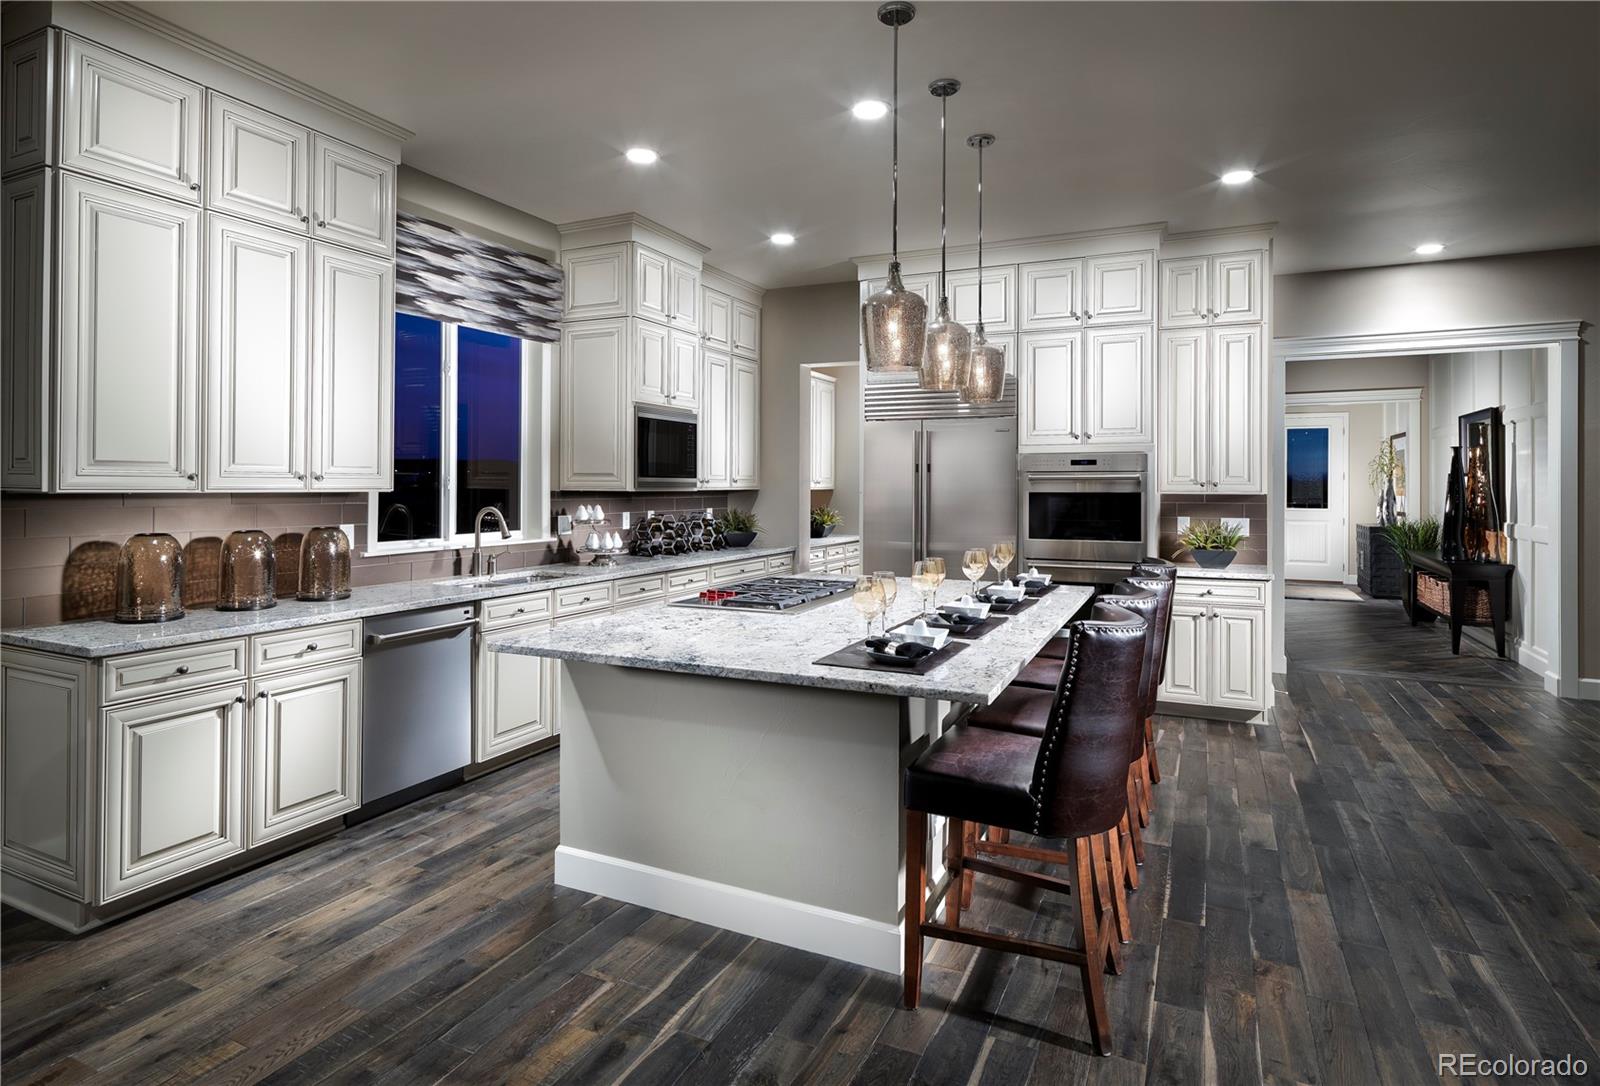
x=728, y=572
x=780, y=563
x=514, y=609
x=1222, y=591
x=688, y=580
x=583, y=599
x=635, y=590
x=169, y=671
x=270, y=653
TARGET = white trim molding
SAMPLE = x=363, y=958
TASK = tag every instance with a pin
x=1373, y=395
x=1387, y=344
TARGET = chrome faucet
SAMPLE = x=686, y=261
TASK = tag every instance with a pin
x=477, y=537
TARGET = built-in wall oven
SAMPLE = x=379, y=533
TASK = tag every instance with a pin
x=666, y=448
x=1082, y=512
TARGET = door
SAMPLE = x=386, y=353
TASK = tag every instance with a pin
x=822, y=429
x=1187, y=676
x=684, y=280
x=352, y=371
x=173, y=787
x=1184, y=409
x=891, y=452
x=129, y=349
x=715, y=421
x=1185, y=294
x=305, y=752
x=1314, y=531
x=593, y=386
x=1120, y=290
x=1047, y=388
x=746, y=329
x=684, y=388
x=1237, y=288
x=716, y=320
x=1052, y=294
x=259, y=165
x=745, y=398
x=352, y=196
x=1237, y=649
x=1116, y=386
x=1238, y=418
x=652, y=291
x=129, y=122
x=999, y=299
x=255, y=357
x=514, y=693
x=969, y=483
x=651, y=363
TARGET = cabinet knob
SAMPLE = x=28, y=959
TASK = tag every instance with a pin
x=194, y=186
x=1087, y=315
x=182, y=669
x=262, y=696
x=317, y=478
x=312, y=647
x=520, y=610
x=1087, y=435
x=239, y=700
x=191, y=477
x=305, y=218
x=322, y=222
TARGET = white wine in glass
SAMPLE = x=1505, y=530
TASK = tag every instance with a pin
x=1000, y=556
x=973, y=563
x=868, y=599
x=891, y=588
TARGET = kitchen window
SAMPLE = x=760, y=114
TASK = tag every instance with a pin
x=471, y=425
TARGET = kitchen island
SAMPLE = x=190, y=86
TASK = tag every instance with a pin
x=711, y=769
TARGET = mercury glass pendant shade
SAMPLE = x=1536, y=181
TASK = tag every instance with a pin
x=948, y=352
x=985, y=379
x=893, y=324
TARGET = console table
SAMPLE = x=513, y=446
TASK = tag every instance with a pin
x=1462, y=575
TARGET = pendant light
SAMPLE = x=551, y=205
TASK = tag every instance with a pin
x=986, y=367
x=945, y=359
x=894, y=319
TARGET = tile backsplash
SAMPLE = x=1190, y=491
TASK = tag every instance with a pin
x=1250, y=507
x=58, y=553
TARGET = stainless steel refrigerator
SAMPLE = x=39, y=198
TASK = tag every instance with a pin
x=937, y=486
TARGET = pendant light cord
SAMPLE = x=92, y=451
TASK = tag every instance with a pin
x=894, y=175
x=980, y=239
x=944, y=173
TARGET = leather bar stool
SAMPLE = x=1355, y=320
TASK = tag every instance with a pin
x=1071, y=784
x=1160, y=570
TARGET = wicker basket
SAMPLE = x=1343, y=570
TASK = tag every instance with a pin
x=1434, y=594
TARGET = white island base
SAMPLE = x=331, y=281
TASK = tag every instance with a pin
x=766, y=809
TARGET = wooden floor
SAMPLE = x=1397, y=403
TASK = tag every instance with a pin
x=1406, y=864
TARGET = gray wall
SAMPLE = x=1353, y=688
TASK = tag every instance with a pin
x=1357, y=374
x=434, y=198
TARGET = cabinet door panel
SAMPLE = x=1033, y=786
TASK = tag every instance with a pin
x=1047, y=379
x=1186, y=679
x=352, y=197
x=716, y=420
x=1185, y=297
x=130, y=122
x=259, y=165
x=173, y=787
x=593, y=386
x=1237, y=287
x=746, y=403
x=652, y=290
x=1184, y=410
x=746, y=329
x=1119, y=289
x=305, y=735
x=1238, y=415
x=255, y=357
x=999, y=299
x=596, y=282
x=684, y=281
x=1117, y=386
x=28, y=81
x=716, y=320
x=823, y=400
x=129, y=347
x=352, y=409
x=25, y=328
x=652, y=363
x=1052, y=294
x=1237, y=650
x=514, y=702
x=684, y=389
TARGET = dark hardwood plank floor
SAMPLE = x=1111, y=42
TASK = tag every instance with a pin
x=1405, y=864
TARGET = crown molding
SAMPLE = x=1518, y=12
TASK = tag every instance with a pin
x=1491, y=338
x=630, y=219
x=718, y=279
x=1355, y=395
x=1159, y=229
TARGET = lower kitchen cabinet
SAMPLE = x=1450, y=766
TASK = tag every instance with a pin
x=515, y=702
x=1217, y=648
x=173, y=787
x=305, y=749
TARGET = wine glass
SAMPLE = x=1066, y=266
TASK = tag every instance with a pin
x=891, y=588
x=1000, y=556
x=973, y=563
x=926, y=581
x=868, y=598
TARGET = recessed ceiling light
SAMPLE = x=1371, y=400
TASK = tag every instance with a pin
x=642, y=156
x=782, y=238
x=1429, y=248
x=870, y=109
x=1238, y=177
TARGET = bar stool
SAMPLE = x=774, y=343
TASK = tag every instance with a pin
x=1069, y=784
x=1161, y=570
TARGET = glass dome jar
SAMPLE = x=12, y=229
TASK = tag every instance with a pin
x=324, y=565
x=249, y=572
x=150, y=579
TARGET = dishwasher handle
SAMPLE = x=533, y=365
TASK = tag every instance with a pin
x=425, y=631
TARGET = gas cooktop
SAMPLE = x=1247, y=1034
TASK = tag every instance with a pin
x=770, y=593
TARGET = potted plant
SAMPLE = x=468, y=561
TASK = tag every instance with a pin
x=1211, y=543
x=1406, y=536
x=824, y=521
x=1383, y=472
x=739, y=527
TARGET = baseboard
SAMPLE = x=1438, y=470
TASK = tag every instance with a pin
x=1588, y=690
x=850, y=938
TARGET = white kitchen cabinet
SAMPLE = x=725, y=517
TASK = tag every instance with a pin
x=259, y=165
x=1237, y=641
x=650, y=362
x=172, y=787
x=823, y=401
x=26, y=328
x=1201, y=290
x=683, y=292
x=595, y=386
x=1182, y=447
x=1212, y=411
x=27, y=80
x=352, y=196
x=1117, y=377
x=352, y=371
x=1187, y=676
x=256, y=356
x=652, y=286
x=126, y=121
x=515, y=700
x=746, y=329
x=715, y=439
x=745, y=400
x=716, y=320
x=683, y=370
x=1048, y=380
x=999, y=299
x=129, y=340
x=596, y=282
x=1185, y=292
x=1052, y=294
x=305, y=749
x=1217, y=651
x=46, y=702
x=1120, y=289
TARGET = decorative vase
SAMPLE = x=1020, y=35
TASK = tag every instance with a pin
x=1481, y=517
x=1388, y=502
x=150, y=579
x=324, y=565
x=1214, y=559
x=739, y=539
x=819, y=530
x=1451, y=547
x=249, y=580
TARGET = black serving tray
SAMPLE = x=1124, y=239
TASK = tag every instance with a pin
x=858, y=656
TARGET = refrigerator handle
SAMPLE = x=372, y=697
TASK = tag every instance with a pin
x=925, y=486
x=916, y=494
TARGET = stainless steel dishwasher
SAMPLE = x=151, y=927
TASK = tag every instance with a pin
x=416, y=707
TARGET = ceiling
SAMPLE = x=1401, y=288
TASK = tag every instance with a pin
x=1373, y=126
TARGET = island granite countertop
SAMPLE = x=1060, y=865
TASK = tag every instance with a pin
x=780, y=647
x=95, y=638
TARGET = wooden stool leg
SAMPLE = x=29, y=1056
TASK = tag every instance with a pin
x=916, y=904
x=1133, y=827
x=1090, y=934
x=955, y=856
x=1119, y=895
x=1142, y=790
x=1150, y=749
x=969, y=845
x=1130, y=868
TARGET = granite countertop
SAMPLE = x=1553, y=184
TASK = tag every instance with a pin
x=94, y=638
x=780, y=647
x=833, y=540
x=1235, y=572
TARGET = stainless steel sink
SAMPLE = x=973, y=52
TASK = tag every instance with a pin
x=514, y=577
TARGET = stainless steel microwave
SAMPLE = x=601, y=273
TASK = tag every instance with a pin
x=666, y=449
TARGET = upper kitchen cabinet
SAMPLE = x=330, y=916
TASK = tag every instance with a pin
x=746, y=329
x=824, y=397
x=1225, y=289
x=1049, y=366
x=126, y=121
x=352, y=196
x=683, y=296
x=745, y=400
x=715, y=439
x=596, y=283
x=352, y=371
x=27, y=74
x=652, y=287
x=595, y=393
x=1089, y=387
x=1052, y=294
x=259, y=165
x=665, y=365
x=1121, y=289
x=999, y=298
x=716, y=320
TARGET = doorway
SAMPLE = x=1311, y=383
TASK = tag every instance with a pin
x=1316, y=497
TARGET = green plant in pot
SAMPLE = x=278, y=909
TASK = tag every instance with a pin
x=824, y=521
x=740, y=527
x=1211, y=543
x=1406, y=536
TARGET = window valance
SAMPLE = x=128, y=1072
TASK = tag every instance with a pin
x=449, y=275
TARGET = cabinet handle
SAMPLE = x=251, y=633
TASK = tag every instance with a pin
x=194, y=186
x=312, y=647
x=300, y=475
x=1087, y=315
x=182, y=669
x=520, y=610
x=1207, y=592
x=321, y=222
x=239, y=700
x=262, y=696
x=316, y=478
x=191, y=476
x=1087, y=435
x=305, y=218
